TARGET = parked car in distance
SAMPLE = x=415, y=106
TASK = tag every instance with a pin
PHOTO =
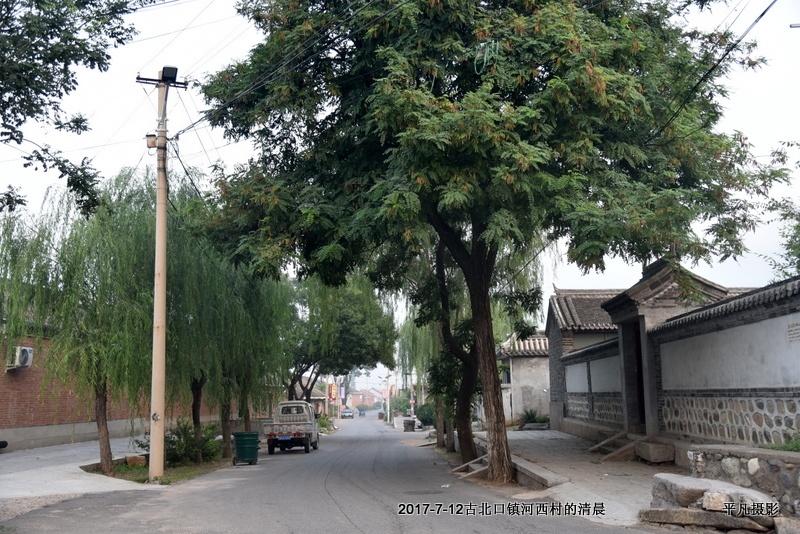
x=347, y=413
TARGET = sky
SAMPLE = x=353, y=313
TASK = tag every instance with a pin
x=200, y=37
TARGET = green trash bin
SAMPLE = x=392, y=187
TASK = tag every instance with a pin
x=246, y=444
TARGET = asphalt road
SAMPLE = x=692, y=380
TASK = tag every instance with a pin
x=366, y=478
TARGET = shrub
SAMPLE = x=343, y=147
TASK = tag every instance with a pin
x=531, y=416
x=323, y=421
x=400, y=404
x=427, y=414
x=180, y=444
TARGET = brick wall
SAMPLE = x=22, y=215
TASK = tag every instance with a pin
x=24, y=403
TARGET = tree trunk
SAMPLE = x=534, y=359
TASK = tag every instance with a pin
x=501, y=469
x=244, y=410
x=450, y=434
x=466, y=388
x=439, y=423
x=197, y=398
x=101, y=417
x=225, y=420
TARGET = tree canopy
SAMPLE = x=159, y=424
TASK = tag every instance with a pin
x=484, y=124
x=335, y=331
x=42, y=45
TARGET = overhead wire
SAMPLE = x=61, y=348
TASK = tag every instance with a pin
x=177, y=35
x=706, y=75
x=306, y=45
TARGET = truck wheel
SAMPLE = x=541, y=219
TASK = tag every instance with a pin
x=315, y=444
x=306, y=445
x=270, y=448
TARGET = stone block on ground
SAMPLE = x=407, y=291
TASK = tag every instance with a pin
x=686, y=491
x=703, y=518
x=787, y=525
x=736, y=499
x=140, y=461
x=655, y=453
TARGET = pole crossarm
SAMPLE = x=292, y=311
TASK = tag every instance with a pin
x=156, y=81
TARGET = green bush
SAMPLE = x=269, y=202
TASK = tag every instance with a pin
x=400, y=404
x=323, y=421
x=180, y=444
x=531, y=416
x=427, y=414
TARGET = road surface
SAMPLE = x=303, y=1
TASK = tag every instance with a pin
x=365, y=478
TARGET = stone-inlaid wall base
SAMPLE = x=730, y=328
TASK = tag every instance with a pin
x=599, y=407
x=577, y=406
x=745, y=420
x=608, y=408
x=772, y=472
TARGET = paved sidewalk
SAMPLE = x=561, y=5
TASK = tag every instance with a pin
x=32, y=478
x=623, y=487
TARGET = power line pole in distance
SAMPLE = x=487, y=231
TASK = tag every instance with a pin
x=168, y=76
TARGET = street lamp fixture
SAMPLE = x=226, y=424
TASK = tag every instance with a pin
x=169, y=74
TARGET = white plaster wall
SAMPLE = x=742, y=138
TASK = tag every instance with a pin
x=531, y=385
x=506, y=390
x=606, y=375
x=577, y=381
x=763, y=354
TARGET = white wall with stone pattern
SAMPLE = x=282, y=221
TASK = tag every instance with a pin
x=606, y=375
x=577, y=381
x=758, y=355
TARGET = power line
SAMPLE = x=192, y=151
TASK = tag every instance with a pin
x=708, y=73
x=307, y=44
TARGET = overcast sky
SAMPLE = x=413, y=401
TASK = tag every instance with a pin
x=202, y=36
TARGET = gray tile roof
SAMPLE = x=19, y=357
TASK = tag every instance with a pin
x=779, y=291
x=533, y=346
x=579, y=309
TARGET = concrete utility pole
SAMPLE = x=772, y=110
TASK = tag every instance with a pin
x=167, y=76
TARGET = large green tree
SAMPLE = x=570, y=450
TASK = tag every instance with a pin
x=86, y=284
x=486, y=123
x=42, y=46
x=335, y=331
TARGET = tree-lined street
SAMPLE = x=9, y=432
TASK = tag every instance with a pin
x=367, y=477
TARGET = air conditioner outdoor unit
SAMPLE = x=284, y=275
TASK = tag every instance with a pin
x=23, y=357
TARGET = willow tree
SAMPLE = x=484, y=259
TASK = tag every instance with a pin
x=98, y=306
x=487, y=123
x=87, y=283
x=337, y=330
x=223, y=325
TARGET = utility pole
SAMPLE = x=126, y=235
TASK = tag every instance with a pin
x=166, y=77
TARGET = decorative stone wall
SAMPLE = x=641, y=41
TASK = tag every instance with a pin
x=772, y=472
x=598, y=407
x=577, y=406
x=607, y=408
x=754, y=420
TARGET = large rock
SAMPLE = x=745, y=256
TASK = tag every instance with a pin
x=680, y=490
x=787, y=525
x=693, y=516
x=655, y=453
x=685, y=491
x=140, y=461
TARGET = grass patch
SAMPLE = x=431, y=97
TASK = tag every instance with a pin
x=172, y=475
x=791, y=445
x=452, y=458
